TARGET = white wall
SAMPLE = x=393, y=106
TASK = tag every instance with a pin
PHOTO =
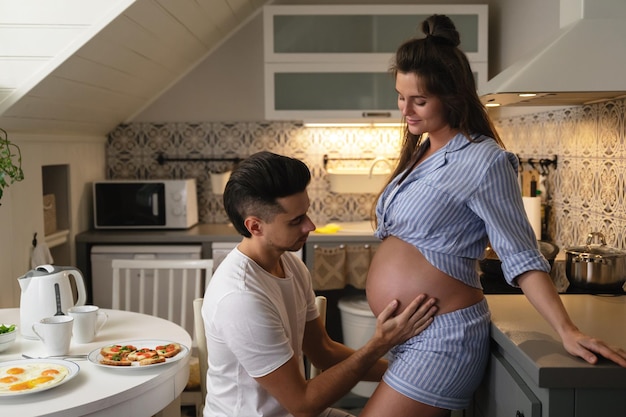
x=42, y=34
x=228, y=84
x=21, y=212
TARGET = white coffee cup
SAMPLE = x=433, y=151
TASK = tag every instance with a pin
x=56, y=334
x=88, y=321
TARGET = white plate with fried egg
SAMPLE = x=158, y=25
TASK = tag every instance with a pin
x=28, y=376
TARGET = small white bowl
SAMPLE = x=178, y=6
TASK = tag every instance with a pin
x=7, y=339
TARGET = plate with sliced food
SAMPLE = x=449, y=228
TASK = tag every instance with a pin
x=28, y=376
x=138, y=354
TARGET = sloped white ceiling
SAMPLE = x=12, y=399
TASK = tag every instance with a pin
x=106, y=71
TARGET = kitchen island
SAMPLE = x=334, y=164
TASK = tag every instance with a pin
x=530, y=374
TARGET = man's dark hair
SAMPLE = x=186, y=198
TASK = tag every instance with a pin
x=257, y=182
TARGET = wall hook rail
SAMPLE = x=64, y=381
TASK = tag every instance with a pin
x=544, y=163
x=162, y=159
x=328, y=158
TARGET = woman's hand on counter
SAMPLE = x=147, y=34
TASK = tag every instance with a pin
x=587, y=347
x=542, y=294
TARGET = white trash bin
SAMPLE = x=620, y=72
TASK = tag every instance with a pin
x=359, y=324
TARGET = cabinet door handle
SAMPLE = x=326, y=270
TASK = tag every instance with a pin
x=376, y=114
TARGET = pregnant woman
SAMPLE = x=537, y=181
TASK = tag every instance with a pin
x=455, y=189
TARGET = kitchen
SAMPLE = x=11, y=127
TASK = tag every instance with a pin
x=224, y=99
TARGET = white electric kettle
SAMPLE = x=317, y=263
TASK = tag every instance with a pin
x=47, y=291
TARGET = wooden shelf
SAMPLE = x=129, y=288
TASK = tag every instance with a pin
x=57, y=238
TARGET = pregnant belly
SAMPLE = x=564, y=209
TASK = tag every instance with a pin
x=399, y=271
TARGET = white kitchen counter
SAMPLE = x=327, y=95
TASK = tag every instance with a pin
x=528, y=342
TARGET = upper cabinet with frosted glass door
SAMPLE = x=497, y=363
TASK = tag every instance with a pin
x=329, y=63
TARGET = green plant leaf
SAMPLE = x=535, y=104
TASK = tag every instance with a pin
x=10, y=162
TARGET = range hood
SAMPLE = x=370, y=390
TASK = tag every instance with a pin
x=585, y=62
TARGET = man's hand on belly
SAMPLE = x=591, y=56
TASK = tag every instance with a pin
x=392, y=330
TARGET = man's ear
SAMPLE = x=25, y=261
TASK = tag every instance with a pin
x=254, y=225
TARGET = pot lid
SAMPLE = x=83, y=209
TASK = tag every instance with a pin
x=594, y=249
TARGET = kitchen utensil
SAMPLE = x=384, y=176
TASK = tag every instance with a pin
x=79, y=356
x=596, y=266
x=38, y=298
x=491, y=266
x=57, y=294
x=529, y=182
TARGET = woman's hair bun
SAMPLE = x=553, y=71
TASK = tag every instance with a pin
x=440, y=28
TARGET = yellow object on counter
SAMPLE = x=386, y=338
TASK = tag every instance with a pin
x=329, y=228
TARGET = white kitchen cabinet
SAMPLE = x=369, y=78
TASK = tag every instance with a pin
x=531, y=374
x=315, y=91
x=503, y=393
x=330, y=63
x=351, y=33
x=358, y=92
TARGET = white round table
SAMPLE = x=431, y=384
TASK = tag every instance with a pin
x=102, y=391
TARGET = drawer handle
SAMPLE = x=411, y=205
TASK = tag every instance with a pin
x=376, y=114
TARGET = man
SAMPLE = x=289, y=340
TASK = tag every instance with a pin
x=259, y=308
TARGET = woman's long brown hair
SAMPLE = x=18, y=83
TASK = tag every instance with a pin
x=443, y=71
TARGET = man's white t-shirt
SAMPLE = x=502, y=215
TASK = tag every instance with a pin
x=254, y=323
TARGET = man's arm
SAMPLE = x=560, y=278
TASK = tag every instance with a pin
x=343, y=366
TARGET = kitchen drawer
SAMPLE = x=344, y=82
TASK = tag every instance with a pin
x=503, y=393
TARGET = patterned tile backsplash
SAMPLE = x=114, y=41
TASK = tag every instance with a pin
x=133, y=150
x=585, y=192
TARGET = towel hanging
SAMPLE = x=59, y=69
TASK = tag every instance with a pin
x=40, y=254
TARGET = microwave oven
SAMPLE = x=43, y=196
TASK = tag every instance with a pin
x=145, y=204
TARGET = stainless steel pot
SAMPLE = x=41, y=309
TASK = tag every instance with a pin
x=596, y=266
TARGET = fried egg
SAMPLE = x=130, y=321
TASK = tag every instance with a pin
x=30, y=376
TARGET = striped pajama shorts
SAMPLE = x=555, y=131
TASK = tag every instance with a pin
x=443, y=365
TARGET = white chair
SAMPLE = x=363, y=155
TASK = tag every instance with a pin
x=203, y=355
x=166, y=288
x=161, y=287
x=320, y=302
